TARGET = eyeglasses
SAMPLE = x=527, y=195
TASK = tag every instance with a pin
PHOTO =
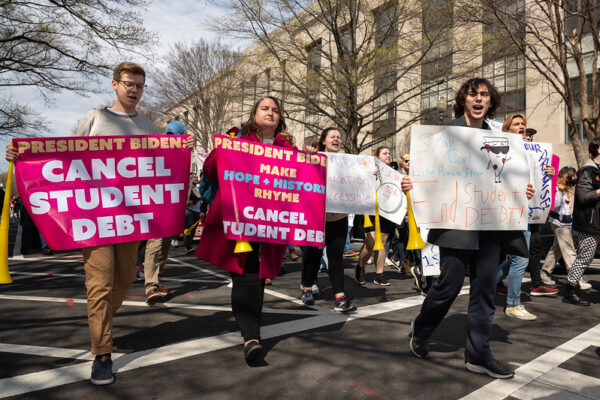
x=130, y=85
x=482, y=94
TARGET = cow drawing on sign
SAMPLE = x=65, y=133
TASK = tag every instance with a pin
x=497, y=150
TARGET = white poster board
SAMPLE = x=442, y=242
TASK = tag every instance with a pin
x=539, y=155
x=351, y=184
x=468, y=179
x=430, y=256
x=391, y=200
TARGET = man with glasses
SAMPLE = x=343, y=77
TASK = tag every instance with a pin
x=110, y=270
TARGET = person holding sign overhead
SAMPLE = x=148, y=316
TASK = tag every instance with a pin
x=475, y=101
x=110, y=270
x=336, y=229
x=248, y=270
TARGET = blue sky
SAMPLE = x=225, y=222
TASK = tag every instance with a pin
x=180, y=20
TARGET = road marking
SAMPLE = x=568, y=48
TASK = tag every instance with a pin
x=156, y=305
x=502, y=388
x=60, y=376
x=60, y=275
x=560, y=383
x=197, y=268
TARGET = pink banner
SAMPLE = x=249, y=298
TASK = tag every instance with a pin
x=92, y=191
x=271, y=194
x=556, y=164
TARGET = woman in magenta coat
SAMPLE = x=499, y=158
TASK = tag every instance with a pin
x=248, y=270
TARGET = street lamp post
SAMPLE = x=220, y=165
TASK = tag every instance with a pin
x=441, y=107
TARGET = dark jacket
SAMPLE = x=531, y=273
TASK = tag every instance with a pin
x=586, y=217
x=513, y=242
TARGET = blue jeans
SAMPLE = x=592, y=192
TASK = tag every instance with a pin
x=347, y=247
x=514, y=267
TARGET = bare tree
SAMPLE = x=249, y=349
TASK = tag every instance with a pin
x=351, y=63
x=62, y=45
x=560, y=40
x=198, y=86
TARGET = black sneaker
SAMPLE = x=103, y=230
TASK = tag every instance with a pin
x=493, y=368
x=359, y=274
x=416, y=273
x=418, y=347
x=102, y=371
x=307, y=297
x=343, y=304
x=253, y=351
x=381, y=281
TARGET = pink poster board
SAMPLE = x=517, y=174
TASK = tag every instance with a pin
x=556, y=164
x=92, y=191
x=271, y=194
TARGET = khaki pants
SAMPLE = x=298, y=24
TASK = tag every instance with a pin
x=157, y=251
x=109, y=274
x=562, y=246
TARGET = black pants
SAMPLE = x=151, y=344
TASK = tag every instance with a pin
x=483, y=269
x=335, y=239
x=190, y=218
x=247, y=296
x=535, y=246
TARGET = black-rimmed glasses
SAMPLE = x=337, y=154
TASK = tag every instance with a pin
x=130, y=85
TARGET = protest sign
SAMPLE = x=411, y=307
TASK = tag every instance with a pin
x=391, y=200
x=556, y=165
x=538, y=156
x=270, y=193
x=351, y=184
x=469, y=179
x=430, y=256
x=93, y=191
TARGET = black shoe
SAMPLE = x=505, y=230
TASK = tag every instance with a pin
x=343, y=305
x=46, y=251
x=418, y=347
x=573, y=296
x=307, y=297
x=102, y=371
x=359, y=274
x=253, y=351
x=493, y=368
x=381, y=281
x=420, y=280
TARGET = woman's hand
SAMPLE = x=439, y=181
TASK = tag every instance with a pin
x=549, y=171
x=530, y=191
x=189, y=143
x=406, y=184
x=309, y=149
x=11, y=153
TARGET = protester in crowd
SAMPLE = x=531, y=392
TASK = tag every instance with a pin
x=110, y=269
x=157, y=249
x=336, y=229
x=193, y=212
x=514, y=267
x=405, y=163
x=561, y=221
x=386, y=227
x=248, y=270
x=475, y=101
x=586, y=222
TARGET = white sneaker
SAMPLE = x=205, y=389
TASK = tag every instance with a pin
x=546, y=279
x=315, y=289
x=389, y=263
x=519, y=312
x=370, y=260
x=583, y=285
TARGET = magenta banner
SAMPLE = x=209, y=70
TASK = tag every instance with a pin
x=556, y=165
x=271, y=194
x=92, y=191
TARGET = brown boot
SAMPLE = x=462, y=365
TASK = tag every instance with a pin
x=406, y=266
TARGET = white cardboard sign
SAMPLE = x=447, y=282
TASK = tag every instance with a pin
x=351, y=184
x=468, y=179
x=539, y=155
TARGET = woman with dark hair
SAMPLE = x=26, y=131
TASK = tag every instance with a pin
x=336, y=228
x=248, y=270
x=475, y=101
x=386, y=227
x=561, y=221
x=586, y=221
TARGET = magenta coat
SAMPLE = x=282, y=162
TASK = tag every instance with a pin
x=215, y=248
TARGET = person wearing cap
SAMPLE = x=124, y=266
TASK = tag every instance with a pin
x=529, y=132
x=515, y=266
x=157, y=250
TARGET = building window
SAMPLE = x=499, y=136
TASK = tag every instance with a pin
x=507, y=74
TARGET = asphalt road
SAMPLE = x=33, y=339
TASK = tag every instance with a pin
x=190, y=347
